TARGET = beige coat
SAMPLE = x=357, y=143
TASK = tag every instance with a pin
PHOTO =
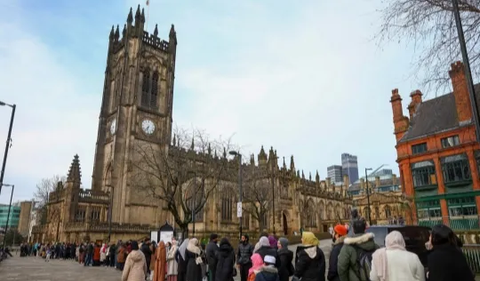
x=172, y=265
x=135, y=267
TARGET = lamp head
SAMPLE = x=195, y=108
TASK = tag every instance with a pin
x=232, y=152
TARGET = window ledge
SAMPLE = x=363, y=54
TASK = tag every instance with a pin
x=426, y=187
x=458, y=183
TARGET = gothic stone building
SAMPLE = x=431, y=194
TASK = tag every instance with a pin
x=136, y=110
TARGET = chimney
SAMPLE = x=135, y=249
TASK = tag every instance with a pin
x=416, y=100
x=346, y=181
x=460, y=92
x=400, y=122
x=394, y=179
x=377, y=182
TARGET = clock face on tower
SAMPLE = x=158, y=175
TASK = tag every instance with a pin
x=148, y=126
x=113, y=127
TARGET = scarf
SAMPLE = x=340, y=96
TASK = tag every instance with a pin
x=257, y=262
x=262, y=242
x=183, y=248
x=393, y=241
x=193, y=246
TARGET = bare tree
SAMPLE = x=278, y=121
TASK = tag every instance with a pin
x=184, y=175
x=43, y=189
x=257, y=193
x=430, y=26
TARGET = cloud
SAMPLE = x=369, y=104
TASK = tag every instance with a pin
x=302, y=78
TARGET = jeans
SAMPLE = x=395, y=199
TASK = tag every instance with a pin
x=88, y=260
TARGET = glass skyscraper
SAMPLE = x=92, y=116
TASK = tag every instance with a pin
x=350, y=166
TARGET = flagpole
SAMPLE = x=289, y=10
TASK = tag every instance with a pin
x=148, y=12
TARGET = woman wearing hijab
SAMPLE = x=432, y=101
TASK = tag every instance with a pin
x=393, y=262
x=310, y=265
x=160, y=260
x=265, y=249
x=135, y=266
x=257, y=263
x=286, y=256
x=272, y=241
x=172, y=265
x=182, y=263
x=226, y=260
x=446, y=261
x=193, y=257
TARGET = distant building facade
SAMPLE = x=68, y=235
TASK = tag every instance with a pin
x=334, y=172
x=14, y=216
x=25, y=217
x=438, y=155
x=350, y=166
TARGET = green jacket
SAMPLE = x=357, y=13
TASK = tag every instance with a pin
x=348, y=269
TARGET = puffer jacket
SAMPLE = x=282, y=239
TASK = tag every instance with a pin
x=347, y=267
x=310, y=265
x=135, y=267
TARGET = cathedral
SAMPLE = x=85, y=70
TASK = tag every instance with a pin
x=136, y=111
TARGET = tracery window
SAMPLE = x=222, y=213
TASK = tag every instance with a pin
x=80, y=214
x=388, y=212
x=150, y=89
x=227, y=208
x=95, y=214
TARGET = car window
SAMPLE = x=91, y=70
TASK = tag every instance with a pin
x=413, y=236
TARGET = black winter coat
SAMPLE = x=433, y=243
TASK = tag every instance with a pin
x=147, y=253
x=194, y=270
x=225, y=262
x=267, y=273
x=446, y=263
x=269, y=251
x=286, y=257
x=310, y=269
x=211, y=251
x=332, y=274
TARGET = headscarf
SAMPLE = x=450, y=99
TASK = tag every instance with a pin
x=193, y=246
x=257, y=262
x=262, y=242
x=284, y=242
x=160, y=261
x=183, y=248
x=173, y=249
x=309, y=239
x=393, y=241
x=272, y=241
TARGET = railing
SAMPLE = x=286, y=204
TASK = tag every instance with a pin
x=455, y=223
x=472, y=253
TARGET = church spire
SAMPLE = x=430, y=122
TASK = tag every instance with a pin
x=74, y=173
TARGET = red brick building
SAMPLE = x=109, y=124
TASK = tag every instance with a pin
x=438, y=155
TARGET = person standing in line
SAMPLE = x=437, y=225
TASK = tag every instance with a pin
x=286, y=257
x=394, y=263
x=172, y=265
x=245, y=252
x=136, y=266
x=225, y=261
x=211, y=251
x=340, y=233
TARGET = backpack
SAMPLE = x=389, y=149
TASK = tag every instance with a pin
x=364, y=262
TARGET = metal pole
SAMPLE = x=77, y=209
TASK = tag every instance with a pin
x=466, y=63
x=110, y=211
x=8, y=216
x=240, y=191
x=194, y=204
x=368, y=198
x=273, y=200
x=7, y=146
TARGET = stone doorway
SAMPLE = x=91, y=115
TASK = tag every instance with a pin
x=285, y=224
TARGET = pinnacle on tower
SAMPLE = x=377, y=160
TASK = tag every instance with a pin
x=309, y=176
x=224, y=153
x=138, y=15
x=155, y=31
x=124, y=31
x=143, y=15
x=130, y=16
x=74, y=174
x=303, y=175
x=173, y=33
x=192, y=147
x=174, y=139
x=252, y=159
x=284, y=165
x=292, y=164
x=117, y=33
x=112, y=32
x=317, y=177
x=209, y=149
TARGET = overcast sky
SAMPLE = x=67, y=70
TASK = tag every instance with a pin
x=305, y=77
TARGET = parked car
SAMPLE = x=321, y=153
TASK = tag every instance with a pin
x=415, y=238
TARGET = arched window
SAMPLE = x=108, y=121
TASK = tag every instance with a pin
x=150, y=85
x=226, y=208
x=321, y=210
x=388, y=212
x=311, y=219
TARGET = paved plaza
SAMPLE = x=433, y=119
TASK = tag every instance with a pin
x=36, y=269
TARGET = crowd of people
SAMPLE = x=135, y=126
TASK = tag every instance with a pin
x=353, y=257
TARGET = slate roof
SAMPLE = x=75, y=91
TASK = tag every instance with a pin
x=434, y=116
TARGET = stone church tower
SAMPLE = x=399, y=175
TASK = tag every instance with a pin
x=136, y=110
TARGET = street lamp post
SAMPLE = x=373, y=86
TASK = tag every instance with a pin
x=240, y=191
x=8, y=214
x=466, y=63
x=9, y=139
x=368, y=196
